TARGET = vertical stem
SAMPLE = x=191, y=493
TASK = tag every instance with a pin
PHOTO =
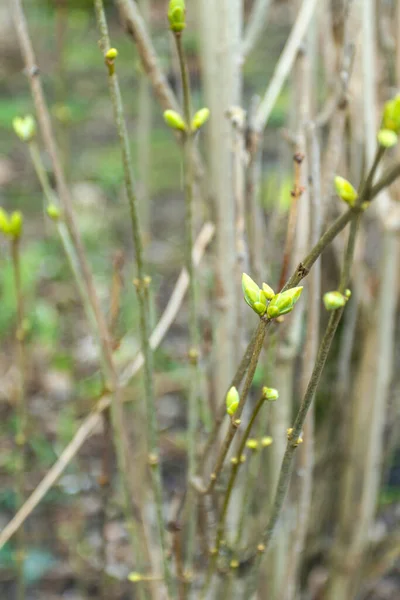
x=144, y=138
x=193, y=325
x=21, y=412
x=143, y=297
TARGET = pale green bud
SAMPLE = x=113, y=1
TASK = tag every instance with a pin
x=252, y=444
x=232, y=401
x=11, y=225
x=174, y=120
x=135, y=577
x=25, y=127
x=282, y=304
x=176, y=15
x=387, y=138
x=391, y=115
x=53, y=212
x=111, y=54
x=345, y=190
x=268, y=291
x=254, y=297
x=266, y=441
x=270, y=394
x=334, y=300
x=200, y=118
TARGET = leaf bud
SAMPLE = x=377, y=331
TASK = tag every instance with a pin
x=174, y=120
x=345, y=190
x=25, y=127
x=334, y=300
x=391, y=115
x=232, y=401
x=270, y=394
x=53, y=212
x=176, y=15
x=266, y=441
x=111, y=54
x=252, y=444
x=387, y=138
x=283, y=303
x=200, y=118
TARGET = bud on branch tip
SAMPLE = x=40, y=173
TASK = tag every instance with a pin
x=176, y=15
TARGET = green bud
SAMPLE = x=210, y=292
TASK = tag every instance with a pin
x=334, y=300
x=282, y=304
x=345, y=190
x=268, y=291
x=135, y=577
x=176, y=15
x=16, y=224
x=200, y=118
x=174, y=120
x=270, y=394
x=266, y=441
x=53, y=212
x=252, y=444
x=4, y=222
x=25, y=127
x=232, y=401
x=387, y=138
x=11, y=225
x=259, y=308
x=250, y=289
x=348, y=293
x=391, y=115
x=254, y=297
x=111, y=54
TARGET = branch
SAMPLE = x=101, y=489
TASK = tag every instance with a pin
x=284, y=64
x=91, y=422
x=255, y=26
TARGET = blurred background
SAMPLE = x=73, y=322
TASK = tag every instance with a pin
x=64, y=535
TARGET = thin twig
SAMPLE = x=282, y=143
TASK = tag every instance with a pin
x=255, y=26
x=91, y=423
x=144, y=307
x=284, y=64
x=188, y=147
x=236, y=462
x=21, y=410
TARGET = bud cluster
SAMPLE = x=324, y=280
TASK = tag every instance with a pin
x=265, y=301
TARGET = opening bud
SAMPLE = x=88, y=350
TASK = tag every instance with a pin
x=174, y=120
x=200, y=118
x=25, y=127
x=176, y=15
x=232, y=401
x=283, y=303
x=270, y=394
x=345, y=190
